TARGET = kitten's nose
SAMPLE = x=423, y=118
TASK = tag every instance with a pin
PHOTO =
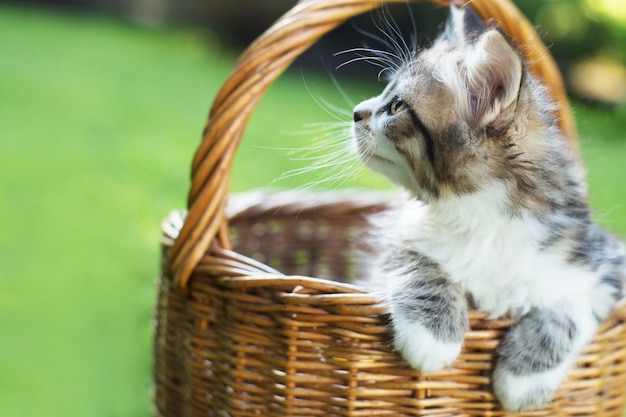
x=360, y=115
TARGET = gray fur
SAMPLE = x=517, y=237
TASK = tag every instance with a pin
x=428, y=297
x=539, y=342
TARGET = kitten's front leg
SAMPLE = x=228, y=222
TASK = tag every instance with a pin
x=429, y=314
x=537, y=353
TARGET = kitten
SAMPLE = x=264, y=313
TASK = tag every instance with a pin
x=499, y=219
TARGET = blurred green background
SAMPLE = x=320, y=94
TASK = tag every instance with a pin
x=99, y=118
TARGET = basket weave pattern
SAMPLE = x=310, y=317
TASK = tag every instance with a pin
x=235, y=337
x=255, y=342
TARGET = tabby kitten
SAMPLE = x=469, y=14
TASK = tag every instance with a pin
x=499, y=219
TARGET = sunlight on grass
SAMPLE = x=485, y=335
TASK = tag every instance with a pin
x=611, y=9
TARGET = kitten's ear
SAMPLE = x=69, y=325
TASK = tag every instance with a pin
x=462, y=26
x=494, y=73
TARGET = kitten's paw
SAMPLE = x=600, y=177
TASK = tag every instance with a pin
x=525, y=392
x=422, y=350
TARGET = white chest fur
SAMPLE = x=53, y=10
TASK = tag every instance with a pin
x=496, y=258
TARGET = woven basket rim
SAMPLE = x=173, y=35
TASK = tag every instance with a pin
x=245, y=272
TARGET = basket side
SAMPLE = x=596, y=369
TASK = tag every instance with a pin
x=255, y=71
x=248, y=344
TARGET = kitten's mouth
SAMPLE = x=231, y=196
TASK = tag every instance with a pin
x=366, y=154
x=378, y=158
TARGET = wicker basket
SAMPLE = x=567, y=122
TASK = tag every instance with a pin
x=235, y=337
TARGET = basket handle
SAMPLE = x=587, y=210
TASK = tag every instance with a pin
x=262, y=62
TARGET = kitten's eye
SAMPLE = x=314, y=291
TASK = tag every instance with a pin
x=397, y=105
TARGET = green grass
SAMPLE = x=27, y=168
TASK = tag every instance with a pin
x=603, y=144
x=99, y=120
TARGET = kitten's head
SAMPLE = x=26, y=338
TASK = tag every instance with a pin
x=450, y=120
